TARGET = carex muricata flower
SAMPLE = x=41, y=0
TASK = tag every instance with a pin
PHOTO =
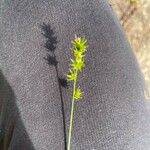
x=77, y=63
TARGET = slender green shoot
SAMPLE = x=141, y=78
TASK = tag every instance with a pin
x=77, y=64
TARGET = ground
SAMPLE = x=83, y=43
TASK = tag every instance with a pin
x=134, y=16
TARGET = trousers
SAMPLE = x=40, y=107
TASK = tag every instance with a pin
x=35, y=98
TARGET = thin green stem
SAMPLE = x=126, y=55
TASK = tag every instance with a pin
x=71, y=114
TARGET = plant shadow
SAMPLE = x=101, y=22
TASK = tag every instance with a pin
x=50, y=45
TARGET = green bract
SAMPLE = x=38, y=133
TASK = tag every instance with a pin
x=71, y=75
x=79, y=43
x=78, y=94
x=77, y=54
x=77, y=64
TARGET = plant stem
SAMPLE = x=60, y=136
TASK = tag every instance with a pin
x=71, y=114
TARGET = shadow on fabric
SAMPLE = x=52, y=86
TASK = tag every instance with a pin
x=11, y=125
x=50, y=45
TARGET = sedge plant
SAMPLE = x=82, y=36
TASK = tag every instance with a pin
x=79, y=45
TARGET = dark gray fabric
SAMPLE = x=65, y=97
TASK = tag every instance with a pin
x=34, y=56
x=10, y=121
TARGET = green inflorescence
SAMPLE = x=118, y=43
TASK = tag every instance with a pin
x=79, y=45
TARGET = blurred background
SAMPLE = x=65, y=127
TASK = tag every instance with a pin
x=134, y=16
